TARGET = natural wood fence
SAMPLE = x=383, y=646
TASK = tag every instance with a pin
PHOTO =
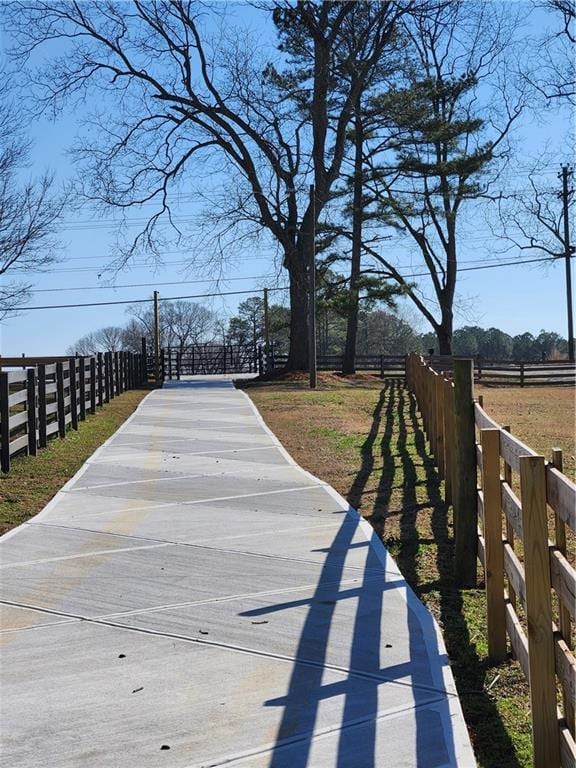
x=503, y=495
x=52, y=394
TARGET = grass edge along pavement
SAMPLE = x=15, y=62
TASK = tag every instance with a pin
x=365, y=438
x=34, y=480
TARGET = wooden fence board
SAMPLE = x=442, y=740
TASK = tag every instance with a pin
x=512, y=508
x=17, y=397
x=483, y=421
x=567, y=748
x=512, y=449
x=19, y=444
x=518, y=639
x=565, y=666
x=515, y=573
x=563, y=580
x=17, y=419
x=561, y=496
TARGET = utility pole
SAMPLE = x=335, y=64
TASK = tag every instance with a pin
x=266, y=325
x=567, y=254
x=312, y=291
x=156, y=339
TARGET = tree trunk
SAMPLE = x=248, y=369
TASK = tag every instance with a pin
x=349, y=360
x=444, y=334
x=298, y=353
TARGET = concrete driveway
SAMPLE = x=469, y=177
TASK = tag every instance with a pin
x=193, y=598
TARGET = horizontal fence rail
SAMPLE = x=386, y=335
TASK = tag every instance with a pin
x=513, y=510
x=512, y=373
x=385, y=365
x=44, y=397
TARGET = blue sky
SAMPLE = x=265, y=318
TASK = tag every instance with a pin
x=515, y=299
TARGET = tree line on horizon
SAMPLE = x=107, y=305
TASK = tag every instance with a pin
x=185, y=324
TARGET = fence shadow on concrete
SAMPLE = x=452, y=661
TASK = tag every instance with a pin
x=359, y=688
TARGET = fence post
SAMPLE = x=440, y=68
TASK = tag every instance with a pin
x=162, y=366
x=494, y=564
x=448, y=440
x=73, y=387
x=31, y=409
x=92, y=385
x=106, y=377
x=440, y=438
x=170, y=363
x=509, y=527
x=178, y=365
x=521, y=374
x=565, y=627
x=100, y=380
x=42, y=416
x=381, y=366
x=82, y=387
x=545, y=732
x=60, y=399
x=260, y=362
x=117, y=373
x=465, y=508
x=4, y=423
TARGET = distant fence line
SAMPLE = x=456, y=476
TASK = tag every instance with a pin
x=53, y=394
x=489, y=372
x=522, y=568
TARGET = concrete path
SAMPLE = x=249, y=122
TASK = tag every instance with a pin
x=193, y=598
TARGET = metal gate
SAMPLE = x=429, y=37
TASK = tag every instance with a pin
x=210, y=359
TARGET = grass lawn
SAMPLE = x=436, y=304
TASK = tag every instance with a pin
x=33, y=481
x=364, y=437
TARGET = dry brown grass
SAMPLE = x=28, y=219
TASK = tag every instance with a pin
x=542, y=417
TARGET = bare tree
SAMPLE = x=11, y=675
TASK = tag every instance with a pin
x=533, y=220
x=108, y=339
x=182, y=324
x=187, y=100
x=554, y=77
x=30, y=212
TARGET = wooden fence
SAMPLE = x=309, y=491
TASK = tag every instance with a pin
x=503, y=494
x=384, y=365
x=513, y=373
x=52, y=394
x=489, y=372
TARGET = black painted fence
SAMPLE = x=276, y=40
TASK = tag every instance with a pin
x=44, y=397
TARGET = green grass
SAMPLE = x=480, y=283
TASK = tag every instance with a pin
x=369, y=444
x=33, y=481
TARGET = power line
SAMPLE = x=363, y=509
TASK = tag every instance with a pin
x=255, y=290
x=138, y=265
x=141, y=301
x=494, y=266
x=146, y=285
